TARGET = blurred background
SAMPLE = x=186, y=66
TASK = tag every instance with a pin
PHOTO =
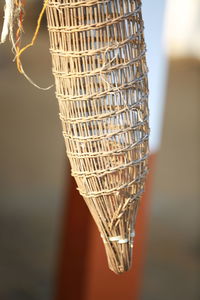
x=34, y=174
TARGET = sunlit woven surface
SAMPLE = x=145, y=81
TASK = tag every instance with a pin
x=99, y=64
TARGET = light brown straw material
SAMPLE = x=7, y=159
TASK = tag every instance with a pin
x=99, y=64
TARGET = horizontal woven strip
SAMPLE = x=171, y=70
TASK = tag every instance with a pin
x=87, y=3
x=103, y=172
x=96, y=51
x=106, y=153
x=94, y=96
x=103, y=70
x=105, y=135
x=103, y=115
x=95, y=26
x=116, y=189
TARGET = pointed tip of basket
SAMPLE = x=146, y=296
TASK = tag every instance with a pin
x=120, y=262
x=120, y=269
x=116, y=229
x=119, y=252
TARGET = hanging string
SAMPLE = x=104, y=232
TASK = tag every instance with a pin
x=20, y=5
x=20, y=51
x=20, y=18
x=14, y=13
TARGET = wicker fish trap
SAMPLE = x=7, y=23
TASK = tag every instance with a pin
x=99, y=64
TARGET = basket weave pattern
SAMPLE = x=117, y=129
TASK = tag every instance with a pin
x=99, y=64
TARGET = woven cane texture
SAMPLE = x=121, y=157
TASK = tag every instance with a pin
x=99, y=64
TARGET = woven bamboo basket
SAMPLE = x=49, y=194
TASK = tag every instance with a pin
x=99, y=64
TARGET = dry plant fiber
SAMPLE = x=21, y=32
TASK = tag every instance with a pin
x=99, y=64
x=14, y=11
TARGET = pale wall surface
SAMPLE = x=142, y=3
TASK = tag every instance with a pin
x=33, y=175
x=173, y=265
